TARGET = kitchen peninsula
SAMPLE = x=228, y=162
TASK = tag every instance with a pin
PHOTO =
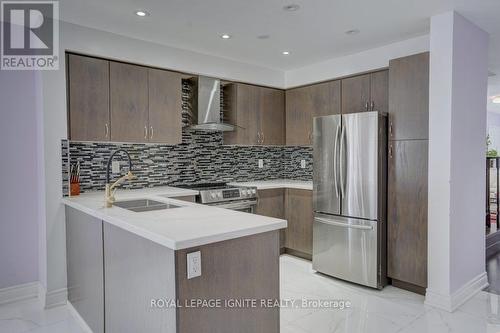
x=120, y=262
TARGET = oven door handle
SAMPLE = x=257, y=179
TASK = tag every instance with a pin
x=237, y=205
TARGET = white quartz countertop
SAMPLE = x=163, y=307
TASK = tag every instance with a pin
x=277, y=183
x=177, y=228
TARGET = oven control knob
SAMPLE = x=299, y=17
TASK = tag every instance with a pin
x=219, y=195
x=212, y=195
x=254, y=191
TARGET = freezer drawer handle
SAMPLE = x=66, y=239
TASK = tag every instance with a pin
x=345, y=225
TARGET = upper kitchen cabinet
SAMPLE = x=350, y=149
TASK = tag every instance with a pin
x=129, y=102
x=258, y=114
x=272, y=116
x=165, y=104
x=88, y=98
x=367, y=92
x=298, y=118
x=324, y=98
x=379, y=91
x=122, y=102
x=241, y=110
x=409, y=98
x=304, y=103
x=356, y=94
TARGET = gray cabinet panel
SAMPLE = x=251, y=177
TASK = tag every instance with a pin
x=129, y=102
x=165, y=104
x=299, y=213
x=298, y=117
x=379, y=91
x=272, y=116
x=241, y=268
x=84, y=259
x=356, y=94
x=137, y=270
x=88, y=95
x=409, y=98
x=272, y=203
x=407, y=211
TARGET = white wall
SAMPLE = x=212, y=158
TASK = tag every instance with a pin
x=355, y=63
x=494, y=130
x=19, y=213
x=113, y=46
x=457, y=129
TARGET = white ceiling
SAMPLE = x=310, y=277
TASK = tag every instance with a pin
x=314, y=33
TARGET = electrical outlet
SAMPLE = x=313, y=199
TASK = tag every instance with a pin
x=303, y=164
x=261, y=164
x=115, y=167
x=193, y=264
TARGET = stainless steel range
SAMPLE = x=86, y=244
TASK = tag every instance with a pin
x=221, y=195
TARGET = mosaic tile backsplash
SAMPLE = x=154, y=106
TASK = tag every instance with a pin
x=200, y=158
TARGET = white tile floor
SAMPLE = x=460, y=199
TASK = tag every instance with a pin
x=389, y=310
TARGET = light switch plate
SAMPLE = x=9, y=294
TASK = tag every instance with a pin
x=261, y=164
x=303, y=164
x=115, y=167
x=193, y=264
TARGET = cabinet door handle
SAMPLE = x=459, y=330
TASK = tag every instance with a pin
x=390, y=151
x=372, y=106
x=152, y=132
x=258, y=137
x=390, y=128
x=263, y=138
x=106, y=130
x=367, y=106
x=145, y=132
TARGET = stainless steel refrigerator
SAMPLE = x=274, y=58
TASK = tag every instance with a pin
x=350, y=197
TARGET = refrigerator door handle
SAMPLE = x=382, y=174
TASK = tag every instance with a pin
x=342, y=162
x=345, y=225
x=335, y=150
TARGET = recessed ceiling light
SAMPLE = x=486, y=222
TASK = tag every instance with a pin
x=285, y=52
x=225, y=36
x=263, y=37
x=291, y=8
x=141, y=13
x=496, y=100
x=352, y=32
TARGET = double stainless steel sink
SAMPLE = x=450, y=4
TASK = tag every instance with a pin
x=144, y=205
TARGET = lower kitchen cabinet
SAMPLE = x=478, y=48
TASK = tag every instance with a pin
x=407, y=214
x=295, y=206
x=137, y=271
x=299, y=214
x=272, y=203
x=85, y=272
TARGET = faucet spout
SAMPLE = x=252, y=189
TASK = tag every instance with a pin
x=110, y=188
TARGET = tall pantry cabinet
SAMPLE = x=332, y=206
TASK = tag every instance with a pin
x=407, y=171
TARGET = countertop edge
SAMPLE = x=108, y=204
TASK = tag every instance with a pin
x=170, y=243
x=268, y=186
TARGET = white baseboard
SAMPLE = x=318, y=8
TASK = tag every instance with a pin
x=19, y=292
x=79, y=318
x=451, y=302
x=52, y=298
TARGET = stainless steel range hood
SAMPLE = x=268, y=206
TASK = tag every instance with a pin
x=206, y=105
